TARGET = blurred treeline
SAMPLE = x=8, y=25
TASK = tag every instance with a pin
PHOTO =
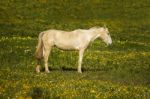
x=29, y=17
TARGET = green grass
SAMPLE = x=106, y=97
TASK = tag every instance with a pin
x=113, y=72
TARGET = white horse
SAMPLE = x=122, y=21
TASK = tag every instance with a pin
x=74, y=40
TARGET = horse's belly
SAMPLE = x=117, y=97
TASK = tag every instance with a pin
x=67, y=46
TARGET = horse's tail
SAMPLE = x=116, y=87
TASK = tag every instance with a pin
x=39, y=48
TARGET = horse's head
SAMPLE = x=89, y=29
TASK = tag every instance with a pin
x=105, y=36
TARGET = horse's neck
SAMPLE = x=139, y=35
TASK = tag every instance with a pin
x=94, y=35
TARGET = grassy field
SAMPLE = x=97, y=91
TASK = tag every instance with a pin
x=120, y=71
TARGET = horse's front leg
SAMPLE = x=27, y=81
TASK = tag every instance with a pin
x=81, y=52
x=46, y=55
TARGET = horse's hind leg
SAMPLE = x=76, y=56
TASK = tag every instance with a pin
x=38, y=65
x=46, y=55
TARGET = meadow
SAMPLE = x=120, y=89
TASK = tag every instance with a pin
x=119, y=71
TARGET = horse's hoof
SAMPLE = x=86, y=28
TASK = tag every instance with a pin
x=80, y=72
x=37, y=71
x=47, y=71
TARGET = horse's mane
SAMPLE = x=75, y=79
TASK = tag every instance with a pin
x=95, y=27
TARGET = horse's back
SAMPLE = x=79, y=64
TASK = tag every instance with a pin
x=59, y=35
